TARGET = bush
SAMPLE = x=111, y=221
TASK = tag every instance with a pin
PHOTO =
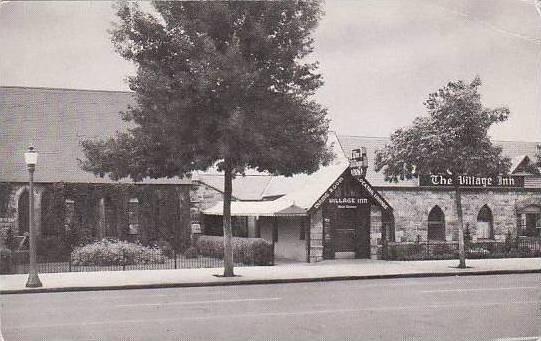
x=52, y=248
x=191, y=252
x=166, y=248
x=249, y=251
x=115, y=252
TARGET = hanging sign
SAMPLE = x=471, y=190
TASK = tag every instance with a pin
x=471, y=181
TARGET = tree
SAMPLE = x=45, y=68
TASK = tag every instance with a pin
x=452, y=138
x=218, y=84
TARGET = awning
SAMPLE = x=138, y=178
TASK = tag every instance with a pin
x=277, y=208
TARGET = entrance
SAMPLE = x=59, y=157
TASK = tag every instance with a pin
x=348, y=230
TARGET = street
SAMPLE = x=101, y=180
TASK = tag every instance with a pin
x=442, y=308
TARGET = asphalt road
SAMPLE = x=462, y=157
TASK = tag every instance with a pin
x=447, y=308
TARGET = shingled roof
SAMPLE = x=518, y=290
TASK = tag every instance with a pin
x=55, y=120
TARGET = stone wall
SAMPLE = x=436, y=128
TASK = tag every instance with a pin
x=375, y=231
x=412, y=206
x=316, y=236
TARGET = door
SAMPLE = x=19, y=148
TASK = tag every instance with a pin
x=345, y=230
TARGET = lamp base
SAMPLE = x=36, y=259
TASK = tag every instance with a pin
x=33, y=281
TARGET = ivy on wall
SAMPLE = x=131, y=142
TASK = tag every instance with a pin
x=5, y=193
x=163, y=212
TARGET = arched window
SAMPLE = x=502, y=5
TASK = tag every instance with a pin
x=387, y=220
x=133, y=217
x=22, y=213
x=485, y=224
x=436, y=224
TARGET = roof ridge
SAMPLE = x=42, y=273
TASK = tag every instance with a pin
x=388, y=137
x=62, y=89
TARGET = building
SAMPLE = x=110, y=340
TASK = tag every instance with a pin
x=329, y=214
x=68, y=199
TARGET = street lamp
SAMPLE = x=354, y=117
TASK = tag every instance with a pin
x=31, y=159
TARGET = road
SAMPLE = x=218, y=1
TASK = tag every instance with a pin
x=444, y=308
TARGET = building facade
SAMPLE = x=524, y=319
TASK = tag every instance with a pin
x=332, y=213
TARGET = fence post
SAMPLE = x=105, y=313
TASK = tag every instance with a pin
x=69, y=263
x=175, y=255
x=123, y=259
x=273, y=252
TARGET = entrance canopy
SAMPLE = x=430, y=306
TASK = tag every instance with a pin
x=274, y=208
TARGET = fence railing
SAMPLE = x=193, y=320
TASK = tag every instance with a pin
x=432, y=250
x=18, y=262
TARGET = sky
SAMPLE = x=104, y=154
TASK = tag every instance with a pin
x=379, y=58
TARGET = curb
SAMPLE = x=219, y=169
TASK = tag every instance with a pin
x=264, y=281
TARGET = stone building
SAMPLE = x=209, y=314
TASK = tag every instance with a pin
x=332, y=213
x=329, y=214
x=68, y=200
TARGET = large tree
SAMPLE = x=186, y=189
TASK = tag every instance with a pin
x=451, y=139
x=220, y=84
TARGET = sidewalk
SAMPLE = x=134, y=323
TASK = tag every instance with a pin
x=280, y=273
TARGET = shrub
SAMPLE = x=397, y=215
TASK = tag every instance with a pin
x=191, y=252
x=115, y=252
x=52, y=248
x=249, y=251
x=166, y=248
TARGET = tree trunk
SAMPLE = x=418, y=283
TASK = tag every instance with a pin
x=228, y=233
x=458, y=203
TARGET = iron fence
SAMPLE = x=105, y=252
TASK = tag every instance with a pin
x=18, y=263
x=521, y=247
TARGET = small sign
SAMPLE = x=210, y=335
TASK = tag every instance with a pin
x=348, y=202
x=196, y=228
x=471, y=181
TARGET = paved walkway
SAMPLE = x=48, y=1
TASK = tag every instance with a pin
x=283, y=272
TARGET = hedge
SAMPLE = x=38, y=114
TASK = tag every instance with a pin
x=115, y=252
x=249, y=251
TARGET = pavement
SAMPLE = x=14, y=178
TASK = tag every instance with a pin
x=282, y=272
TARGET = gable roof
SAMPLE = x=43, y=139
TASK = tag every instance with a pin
x=55, y=121
x=304, y=193
x=516, y=150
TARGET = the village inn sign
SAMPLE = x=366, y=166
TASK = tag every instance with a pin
x=471, y=181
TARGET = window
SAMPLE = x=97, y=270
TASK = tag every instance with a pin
x=436, y=224
x=530, y=221
x=387, y=220
x=133, y=216
x=485, y=224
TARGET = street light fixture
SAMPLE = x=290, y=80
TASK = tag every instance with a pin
x=31, y=159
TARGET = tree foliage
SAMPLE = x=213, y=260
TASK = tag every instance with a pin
x=453, y=137
x=216, y=81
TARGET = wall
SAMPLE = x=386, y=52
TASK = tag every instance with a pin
x=90, y=214
x=289, y=244
x=412, y=206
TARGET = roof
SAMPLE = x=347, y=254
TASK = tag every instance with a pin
x=248, y=187
x=516, y=150
x=55, y=121
x=303, y=194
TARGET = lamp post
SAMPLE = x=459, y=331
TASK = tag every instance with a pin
x=31, y=159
